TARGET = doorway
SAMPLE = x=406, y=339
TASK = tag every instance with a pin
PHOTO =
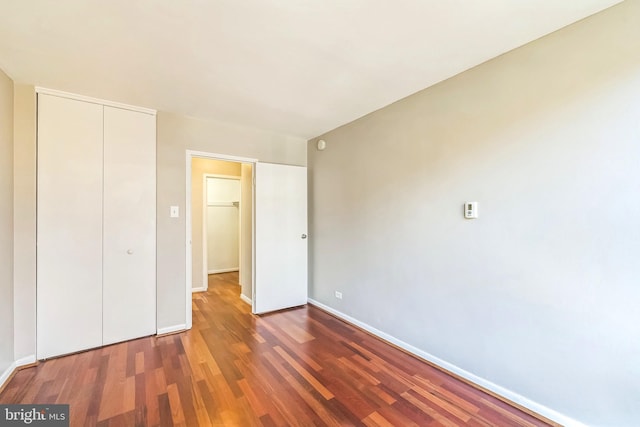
x=218, y=205
x=221, y=220
x=273, y=259
x=209, y=217
x=220, y=225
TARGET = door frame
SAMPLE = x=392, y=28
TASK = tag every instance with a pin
x=190, y=155
x=205, y=227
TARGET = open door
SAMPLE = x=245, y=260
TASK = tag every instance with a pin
x=280, y=237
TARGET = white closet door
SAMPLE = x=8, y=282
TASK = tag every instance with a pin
x=69, y=248
x=129, y=295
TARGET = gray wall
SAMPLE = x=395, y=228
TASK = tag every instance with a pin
x=540, y=294
x=176, y=134
x=6, y=222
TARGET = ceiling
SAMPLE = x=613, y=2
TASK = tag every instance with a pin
x=299, y=67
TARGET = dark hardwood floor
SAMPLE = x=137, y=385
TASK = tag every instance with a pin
x=297, y=367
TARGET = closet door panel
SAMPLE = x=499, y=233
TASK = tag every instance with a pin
x=129, y=294
x=69, y=234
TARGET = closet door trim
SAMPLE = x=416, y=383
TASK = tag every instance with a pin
x=104, y=102
x=74, y=299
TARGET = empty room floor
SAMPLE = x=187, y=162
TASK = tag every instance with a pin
x=296, y=367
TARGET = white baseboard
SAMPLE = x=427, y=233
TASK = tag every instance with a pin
x=7, y=374
x=246, y=299
x=223, y=270
x=200, y=289
x=171, y=329
x=27, y=360
x=506, y=393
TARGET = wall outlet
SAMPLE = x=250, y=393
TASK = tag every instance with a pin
x=338, y=295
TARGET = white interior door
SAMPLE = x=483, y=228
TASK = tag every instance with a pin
x=129, y=295
x=69, y=248
x=280, y=237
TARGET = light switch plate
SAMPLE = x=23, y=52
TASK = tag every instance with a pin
x=175, y=211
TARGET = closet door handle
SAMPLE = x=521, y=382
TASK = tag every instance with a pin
x=129, y=251
x=304, y=236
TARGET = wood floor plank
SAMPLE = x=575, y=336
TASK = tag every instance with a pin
x=376, y=420
x=425, y=386
x=313, y=402
x=351, y=367
x=348, y=394
x=304, y=373
x=177, y=414
x=300, y=335
x=299, y=367
x=423, y=400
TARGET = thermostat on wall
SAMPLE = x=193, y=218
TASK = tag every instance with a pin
x=471, y=210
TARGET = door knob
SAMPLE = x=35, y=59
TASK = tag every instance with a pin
x=129, y=251
x=304, y=236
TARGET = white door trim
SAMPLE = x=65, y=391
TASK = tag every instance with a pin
x=190, y=154
x=91, y=100
x=205, y=249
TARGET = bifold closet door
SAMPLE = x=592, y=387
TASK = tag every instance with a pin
x=69, y=234
x=129, y=245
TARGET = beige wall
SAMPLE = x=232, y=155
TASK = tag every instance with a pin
x=24, y=163
x=199, y=167
x=176, y=134
x=540, y=294
x=6, y=223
